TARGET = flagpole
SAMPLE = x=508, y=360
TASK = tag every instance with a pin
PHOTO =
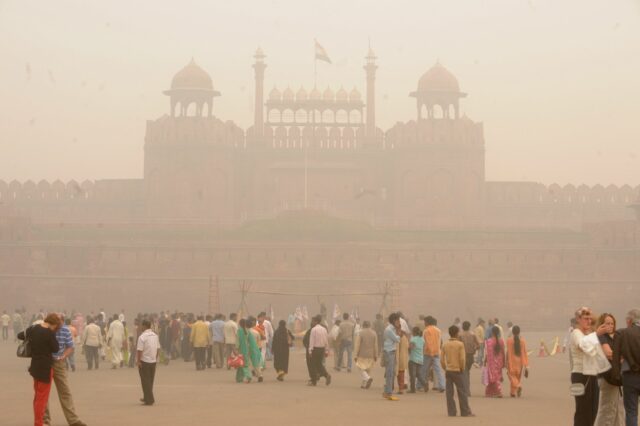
x=313, y=134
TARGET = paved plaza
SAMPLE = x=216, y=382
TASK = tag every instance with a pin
x=185, y=396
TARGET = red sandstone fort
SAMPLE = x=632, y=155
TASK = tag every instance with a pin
x=315, y=192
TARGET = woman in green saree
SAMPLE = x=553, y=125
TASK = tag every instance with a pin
x=247, y=346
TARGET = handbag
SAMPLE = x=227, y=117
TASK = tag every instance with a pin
x=24, y=349
x=577, y=389
x=485, y=376
x=235, y=361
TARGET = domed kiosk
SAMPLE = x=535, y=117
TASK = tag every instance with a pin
x=191, y=86
x=438, y=93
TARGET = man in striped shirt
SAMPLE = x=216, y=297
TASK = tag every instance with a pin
x=65, y=342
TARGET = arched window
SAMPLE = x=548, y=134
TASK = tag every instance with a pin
x=424, y=111
x=438, y=112
x=287, y=116
x=301, y=116
x=273, y=116
x=191, y=110
x=342, y=116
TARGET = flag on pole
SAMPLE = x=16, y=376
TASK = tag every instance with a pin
x=336, y=312
x=321, y=53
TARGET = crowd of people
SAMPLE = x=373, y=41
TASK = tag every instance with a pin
x=605, y=363
x=414, y=358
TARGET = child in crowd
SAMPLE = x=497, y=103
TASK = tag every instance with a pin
x=416, y=350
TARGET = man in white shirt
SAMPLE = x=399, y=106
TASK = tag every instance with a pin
x=230, y=335
x=334, y=343
x=148, y=351
x=268, y=331
x=318, y=350
x=92, y=342
x=5, y=320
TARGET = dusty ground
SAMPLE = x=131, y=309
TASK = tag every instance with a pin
x=185, y=396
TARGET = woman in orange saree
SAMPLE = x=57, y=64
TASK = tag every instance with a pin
x=517, y=361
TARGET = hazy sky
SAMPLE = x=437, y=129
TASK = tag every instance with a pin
x=555, y=82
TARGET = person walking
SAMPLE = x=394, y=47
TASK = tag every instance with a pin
x=147, y=355
x=366, y=353
x=306, y=339
x=454, y=363
x=230, y=335
x=282, y=341
x=268, y=332
x=244, y=341
x=432, y=343
x=116, y=341
x=471, y=345
x=217, y=337
x=200, y=339
x=586, y=364
x=71, y=358
x=517, y=361
x=258, y=335
x=391, y=341
x=185, y=348
x=610, y=408
x=334, y=343
x=479, y=332
x=416, y=359
x=208, y=319
x=43, y=343
x=345, y=337
x=378, y=327
x=494, y=362
x=91, y=343
x=627, y=347
x=259, y=327
x=175, y=331
x=18, y=324
x=318, y=350
x=5, y=320
x=402, y=355
x=64, y=337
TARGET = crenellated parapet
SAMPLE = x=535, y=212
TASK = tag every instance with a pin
x=45, y=191
x=201, y=130
x=461, y=132
x=534, y=205
x=537, y=193
x=72, y=201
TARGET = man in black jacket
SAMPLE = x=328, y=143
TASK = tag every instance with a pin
x=627, y=348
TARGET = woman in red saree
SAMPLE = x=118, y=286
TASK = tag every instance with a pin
x=494, y=359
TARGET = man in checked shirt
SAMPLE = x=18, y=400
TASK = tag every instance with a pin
x=65, y=342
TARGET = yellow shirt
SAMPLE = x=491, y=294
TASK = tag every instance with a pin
x=200, y=337
x=479, y=332
x=453, y=356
